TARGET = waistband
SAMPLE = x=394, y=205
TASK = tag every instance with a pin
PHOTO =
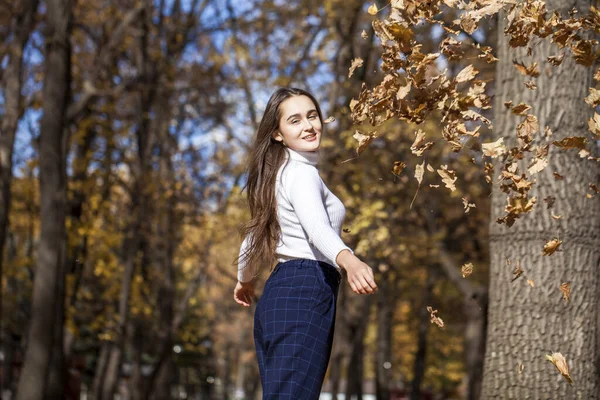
x=307, y=262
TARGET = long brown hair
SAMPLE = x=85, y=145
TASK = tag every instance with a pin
x=265, y=158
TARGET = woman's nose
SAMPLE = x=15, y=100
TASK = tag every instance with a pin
x=307, y=125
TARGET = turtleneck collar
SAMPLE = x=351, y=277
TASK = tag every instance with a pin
x=307, y=157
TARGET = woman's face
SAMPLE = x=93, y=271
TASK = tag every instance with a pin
x=299, y=125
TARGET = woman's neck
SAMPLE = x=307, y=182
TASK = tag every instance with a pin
x=307, y=157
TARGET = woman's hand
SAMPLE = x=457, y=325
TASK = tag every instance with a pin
x=360, y=275
x=243, y=293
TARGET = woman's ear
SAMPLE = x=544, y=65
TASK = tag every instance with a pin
x=277, y=136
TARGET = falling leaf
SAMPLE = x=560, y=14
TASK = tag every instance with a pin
x=556, y=60
x=517, y=272
x=533, y=70
x=560, y=363
x=530, y=282
x=403, y=91
x=550, y=201
x=430, y=168
x=565, y=288
x=419, y=171
x=521, y=368
x=346, y=230
x=508, y=104
x=538, y=165
x=435, y=319
x=551, y=246
x=398, y=167
x=419, y=146
x=572, y=142
x=467, y=74
x=594, y=125
x=467, y=270
x=431, y=185
x=363, y=34
x=593, y=99
x=558, y=176
x=555, y=216
x=467, y=205
x=329, y=120
x=448, y=177
x=494, y=149
x=530, y=85
x=521, y=109
x=356, y=63
x=363, y=140
x=372, y=9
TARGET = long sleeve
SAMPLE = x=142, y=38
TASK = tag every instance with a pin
x=305, y=191
x=245, y=271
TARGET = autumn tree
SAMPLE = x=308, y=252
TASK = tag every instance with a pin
x=43, y=370
x=546, y=116
x=555, y=247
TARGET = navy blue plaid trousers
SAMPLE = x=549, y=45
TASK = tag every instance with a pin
x=293, y=328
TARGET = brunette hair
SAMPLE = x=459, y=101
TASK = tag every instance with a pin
x=265, y=158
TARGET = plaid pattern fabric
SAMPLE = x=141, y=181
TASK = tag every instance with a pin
x=293, y=328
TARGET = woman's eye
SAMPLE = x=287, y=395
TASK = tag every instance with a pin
x=312, y=116
x=295, y=121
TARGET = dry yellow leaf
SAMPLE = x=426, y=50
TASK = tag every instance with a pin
x=356, y=63
x=594, y=125
x=467, y=74
x=329, y=120
x=467, y=205
x=467, y=270
x=551, y=246
x=494, y=149
x=517, y=272
x=435, y=319
x=572, y=142
x=372, y=9
x=530, y=282
x=448, y=177
x=398, y=167
x=560, y=363
x=565, y=288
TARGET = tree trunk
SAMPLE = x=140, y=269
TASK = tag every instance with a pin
x=525, y=322
x=359, y=311
x=49, y=277
x=140, y=205
x=386, y=304
x=424, y=322
x=12, y=83
x=100, y=370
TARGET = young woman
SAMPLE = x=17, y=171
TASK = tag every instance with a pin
x=296, y=221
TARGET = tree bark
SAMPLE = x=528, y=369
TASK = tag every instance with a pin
x=12, y=82
x=357, y=328
x=48, y=290
x=386, y=304
x=424, y=322
x=525, y=322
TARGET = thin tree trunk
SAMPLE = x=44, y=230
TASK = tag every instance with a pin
x=424, y=322
x=526, y=323
x=49, y=276
x=386, y=304
x=140, y=208
x=475, y=306
x=357, y=330
x=12, y=83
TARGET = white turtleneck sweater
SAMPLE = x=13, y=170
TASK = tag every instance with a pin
x=309, y=214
